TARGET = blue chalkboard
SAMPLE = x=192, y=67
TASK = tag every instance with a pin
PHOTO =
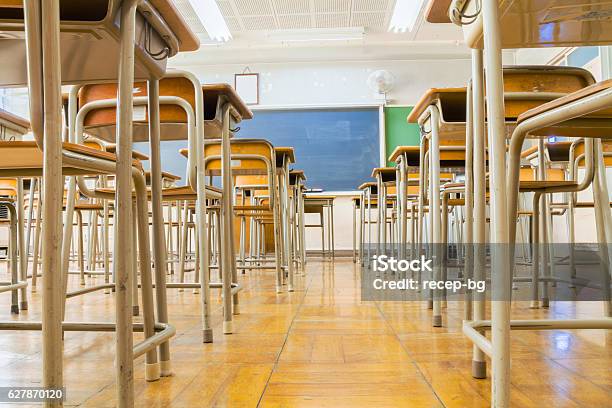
x=336, y=148
x=172, y=161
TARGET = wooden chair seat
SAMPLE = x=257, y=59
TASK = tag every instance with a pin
x=87, y=206
x=176, y=193
x=165, y=176
x=535, y=185
x=112, y=148
x=251, y=208
x=586, y=204
x=25, y=155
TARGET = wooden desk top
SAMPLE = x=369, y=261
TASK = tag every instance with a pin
x=385, y=172
x=450, y=156
x=437, y=11
x=285, y=151
x=525, y=87
x=216, y=90
x=432, y=95
x=188, y=41
x=583, y=93
x=546, y=23
x=295, y=175
x=558, y=151
x=367, y=184
x=409, y=150
x=17, y=120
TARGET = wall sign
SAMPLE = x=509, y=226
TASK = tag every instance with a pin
x=247, y=86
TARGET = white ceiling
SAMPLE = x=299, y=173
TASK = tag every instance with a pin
x=257, y=15
x=252, y=21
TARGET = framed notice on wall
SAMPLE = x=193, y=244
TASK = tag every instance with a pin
x=247, y=86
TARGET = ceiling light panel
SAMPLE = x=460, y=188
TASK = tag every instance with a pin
x=405, y=15
x=210, y=16
x=251, y=15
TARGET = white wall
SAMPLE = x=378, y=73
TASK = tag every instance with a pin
x=339, y=83
x=335, y=84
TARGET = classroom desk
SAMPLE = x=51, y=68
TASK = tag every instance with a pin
x=321, y=204
x=284, y=157
x=85, y=29
x=168, y=179
x=297, y=181
x=506, y=24
x=441, y=116
x=113, y=51
x=188, y=111
x=382, y=175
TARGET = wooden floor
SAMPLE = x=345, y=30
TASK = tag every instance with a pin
x=319, y=347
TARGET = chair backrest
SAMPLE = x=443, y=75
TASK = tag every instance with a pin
x=179, y=86
x=528, y=173
x=606, y=146
x=8, y=187
x=249, y=157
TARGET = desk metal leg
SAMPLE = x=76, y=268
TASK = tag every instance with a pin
x=159, y=244
x=604, y=222
x=37, y=235
x=434, y=209
x=479, y=365
x=331, y=228
x=42, y=32
x=124, y=252
x=501, y=278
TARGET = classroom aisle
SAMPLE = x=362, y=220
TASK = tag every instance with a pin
x=321, y=347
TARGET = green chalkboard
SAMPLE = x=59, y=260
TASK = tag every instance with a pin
x=398, y=132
